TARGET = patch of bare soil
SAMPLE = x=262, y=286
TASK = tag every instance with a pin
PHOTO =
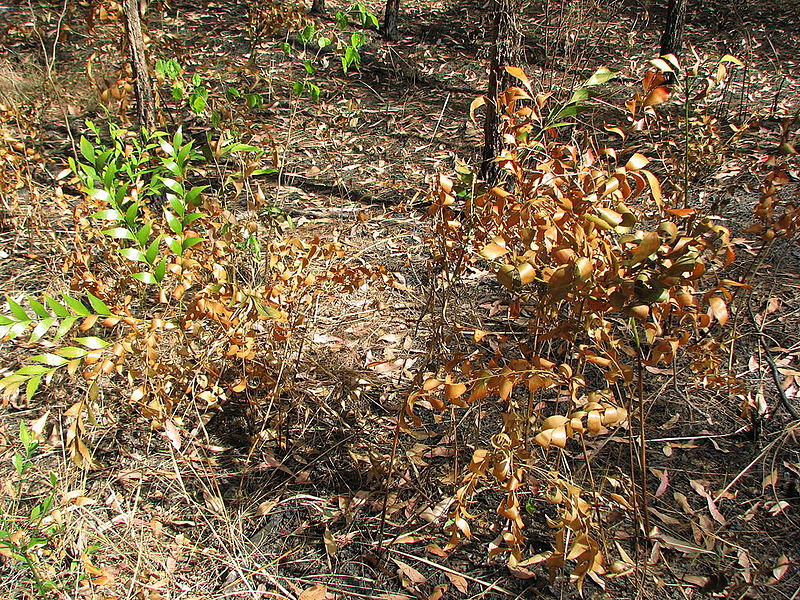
x=268, y=500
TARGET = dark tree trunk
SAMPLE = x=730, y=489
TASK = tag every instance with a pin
x=142, y=85
x=505, y=51
x=672, y=38
x=318, y=7
x=389, y=29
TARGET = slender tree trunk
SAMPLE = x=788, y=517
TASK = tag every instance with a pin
x=389, y=29
x=505, y=51
x=318, y=7
x=672, y=38
x=142, y=85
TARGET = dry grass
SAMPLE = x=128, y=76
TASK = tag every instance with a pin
x=19, y=82
x=267, y=498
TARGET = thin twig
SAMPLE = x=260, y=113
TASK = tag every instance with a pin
x=490, y=586
x=776, y=376
x=441, y=115
x=642, y=430
x=744, y=471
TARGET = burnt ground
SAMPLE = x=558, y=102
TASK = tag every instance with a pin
x=258, y=505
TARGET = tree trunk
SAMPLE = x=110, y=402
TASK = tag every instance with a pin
x=318, y=7
x=142, y=85
x=389, y=29
x=505, y=51
x=672, y=38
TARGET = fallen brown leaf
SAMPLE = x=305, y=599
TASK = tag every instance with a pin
x=315, y=592
x=409, y=576
x=458, y=582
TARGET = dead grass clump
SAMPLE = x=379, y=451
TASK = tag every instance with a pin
x=19, y=83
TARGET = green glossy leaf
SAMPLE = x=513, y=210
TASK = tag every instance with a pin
x=175, y=246
x=109, y=176
x=133, y=254
x=119, y=195
x=13, y=331
x=145, y=277
x=131, y=213
x=173, y=222
x=99, y=194
x=173, y=186
x=254, y=100
x=108, y=214
x=32, y=370
x=59, y=309
x=306, y=34
x=173, y=167
x=120, y=233
x=357, y=40
x=152, y=250
x=160, y=270
x=143, y=235
x=269, y=171
x=177, y=205
x=16, y=310
x=191, y=218
x=25, y=437
x=579, y=95
x=184, y=154
x=313, y=91
x=50, y=359
x=64, y=327
x=191, y=241
x=87, y=149
x=41, y=329
x=166, y=147
x=169, y=68
x=11, y=380
x=198, y=99
x=101, y=160
x=239, y=147
x=731, y=59
x=568, y=111
x=600, y=76
x=19, y=466
x=92, y=342
x=72, y=352
x=76, y=306
x=266, y=311
x=38, y=308
x=98, y=305
x=193, y=195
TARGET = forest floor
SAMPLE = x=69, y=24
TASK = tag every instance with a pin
x=297, y=501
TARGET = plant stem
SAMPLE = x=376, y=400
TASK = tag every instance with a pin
x=686, y=110
x=642, y=438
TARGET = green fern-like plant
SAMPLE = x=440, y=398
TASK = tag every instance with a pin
x=38, y=321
